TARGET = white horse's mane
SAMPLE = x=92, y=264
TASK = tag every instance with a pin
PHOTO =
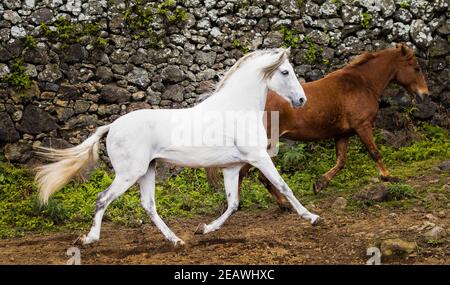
x=267, y=71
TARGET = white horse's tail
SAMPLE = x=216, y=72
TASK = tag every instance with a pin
x=67, y=163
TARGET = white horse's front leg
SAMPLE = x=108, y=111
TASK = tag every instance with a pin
x=231, y=179
x=147, y=186
x=266, y=166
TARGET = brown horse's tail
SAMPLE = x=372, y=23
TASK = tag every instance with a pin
x=214, y=178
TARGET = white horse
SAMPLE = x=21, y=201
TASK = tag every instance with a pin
x=136, y=140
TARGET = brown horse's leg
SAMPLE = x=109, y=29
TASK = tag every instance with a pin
x=213, y=176
x=281, y=200
x=341, y=159
x=366, y=135
x=242, y=173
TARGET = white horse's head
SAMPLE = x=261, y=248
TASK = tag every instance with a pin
x=274, y=68
x=281, y=78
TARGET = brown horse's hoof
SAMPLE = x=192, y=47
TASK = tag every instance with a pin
x=78, y=240
x=315, y=189
x=319, y=185
x=285, y=207
x=200, y=230
x=390, y=179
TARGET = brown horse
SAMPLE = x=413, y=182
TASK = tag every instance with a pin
x=342, y=104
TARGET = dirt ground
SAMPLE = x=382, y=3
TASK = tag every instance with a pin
x=262, y=237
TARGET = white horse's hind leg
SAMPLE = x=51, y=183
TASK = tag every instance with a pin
x=231, y=179
x=266, y=166
x=117, y=188
x=147, y=186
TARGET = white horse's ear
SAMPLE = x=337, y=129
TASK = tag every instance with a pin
x=288, y=51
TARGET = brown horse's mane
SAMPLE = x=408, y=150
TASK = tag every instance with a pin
x=350, y=75
x=361, y=59
x=354, y=64
x=369, y=56
x=357, y=62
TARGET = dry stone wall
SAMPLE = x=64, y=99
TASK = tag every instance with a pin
x=67, y=66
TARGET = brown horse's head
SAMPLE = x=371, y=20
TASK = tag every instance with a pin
x=409, y=74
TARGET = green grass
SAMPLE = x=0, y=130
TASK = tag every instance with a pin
x=140, y=15
x=313, y=53
x=187, y=194
x=30, y=42
x=68, y=32
x=240, y=46
x=18, y=77
x=405, y=4
x=366, y=20
x=290, y=37
x=400, y=191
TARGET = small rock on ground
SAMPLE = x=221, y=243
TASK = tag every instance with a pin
x=445, y=165
x=340, y=203
x=397, y=247
x=431, y=217
x=441, y=214
x=375, y=193
x=436, y=233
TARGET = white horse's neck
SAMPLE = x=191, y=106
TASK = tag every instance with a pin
x=249, y=94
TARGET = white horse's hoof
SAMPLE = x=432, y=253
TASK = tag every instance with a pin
x=85, y=240
x=201, y=229
x=178, y=243
x=316, y=220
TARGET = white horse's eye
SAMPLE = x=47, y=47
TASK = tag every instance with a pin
x=285, y=72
